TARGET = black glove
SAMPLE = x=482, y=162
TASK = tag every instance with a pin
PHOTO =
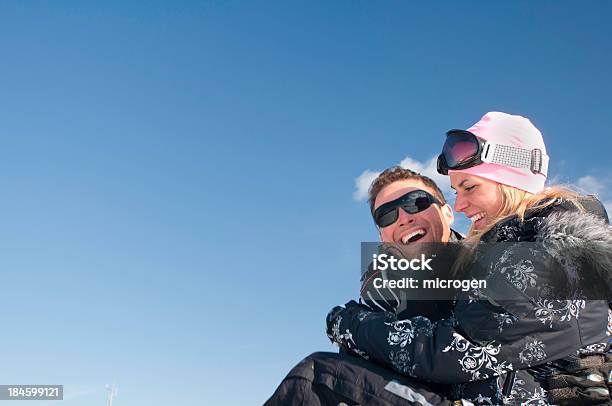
x=340, y=318
x=330, y=319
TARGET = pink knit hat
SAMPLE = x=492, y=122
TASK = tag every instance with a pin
x=514, y=131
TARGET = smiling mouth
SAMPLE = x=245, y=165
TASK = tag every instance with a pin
x=477, y=216
x=413, y=236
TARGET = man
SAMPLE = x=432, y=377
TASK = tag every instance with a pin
x=407, y=207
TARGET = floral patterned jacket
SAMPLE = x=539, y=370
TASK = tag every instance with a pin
x=500, y=351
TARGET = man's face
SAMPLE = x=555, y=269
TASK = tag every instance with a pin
x=432, y=224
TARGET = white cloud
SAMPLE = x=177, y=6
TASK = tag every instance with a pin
x=427, y=168
x=591, y=185
x=362, y=184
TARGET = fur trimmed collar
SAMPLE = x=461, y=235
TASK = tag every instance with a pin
x=579, y=238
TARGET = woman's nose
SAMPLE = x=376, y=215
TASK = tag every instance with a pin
x=460, y=203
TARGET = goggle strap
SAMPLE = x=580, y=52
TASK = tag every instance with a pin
x=543, y=165
x=507, y=155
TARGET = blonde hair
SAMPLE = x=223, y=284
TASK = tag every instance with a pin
x=516, y=202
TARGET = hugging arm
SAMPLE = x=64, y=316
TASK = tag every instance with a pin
x=416, y=347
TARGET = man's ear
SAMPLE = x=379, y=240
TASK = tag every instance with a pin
x=447, y=212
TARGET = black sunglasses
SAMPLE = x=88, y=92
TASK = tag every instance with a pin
x=412, y=202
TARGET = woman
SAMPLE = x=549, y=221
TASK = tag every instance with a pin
x=503, y=346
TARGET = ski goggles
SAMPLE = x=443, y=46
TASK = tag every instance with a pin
x=412, y=202
x=463, y=150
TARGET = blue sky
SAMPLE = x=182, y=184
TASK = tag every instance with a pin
x=181, y=179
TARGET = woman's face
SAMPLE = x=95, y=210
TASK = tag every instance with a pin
x=478, y=198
